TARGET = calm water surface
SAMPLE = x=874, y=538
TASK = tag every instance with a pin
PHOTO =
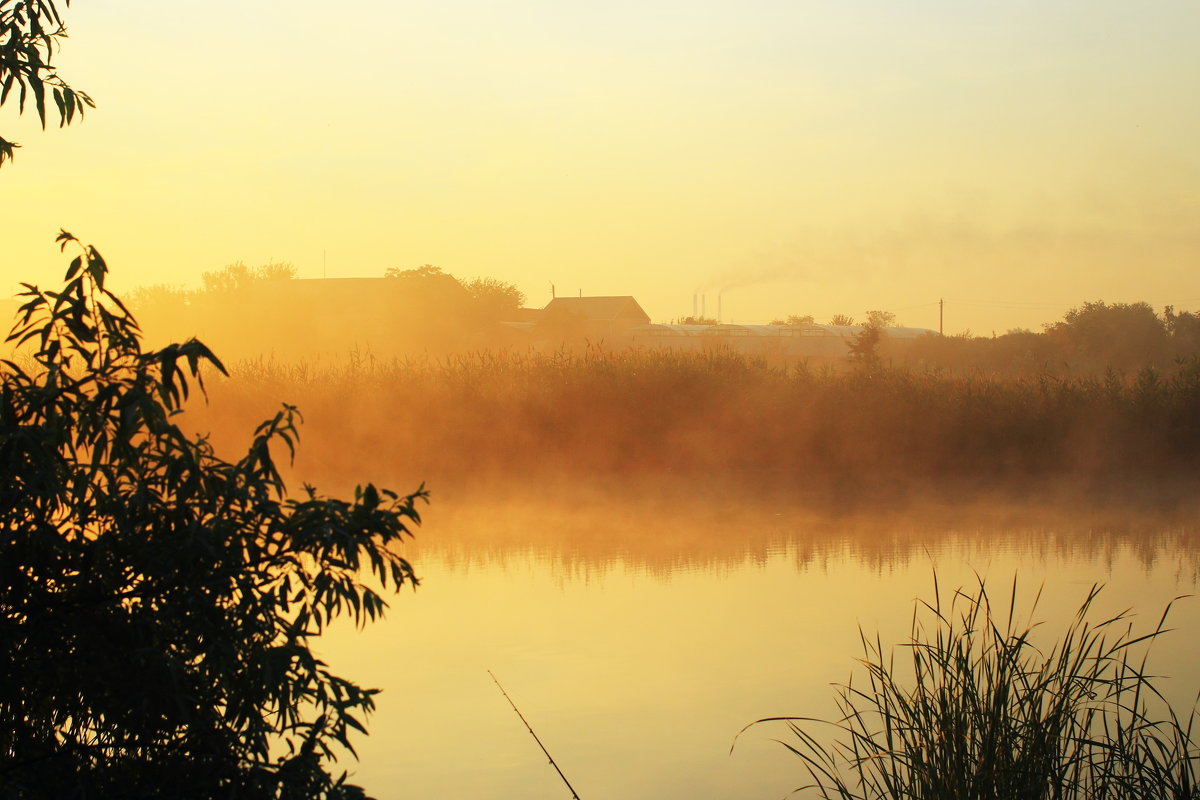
x=638, y=644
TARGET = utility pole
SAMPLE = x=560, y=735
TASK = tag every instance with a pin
x=941, y=316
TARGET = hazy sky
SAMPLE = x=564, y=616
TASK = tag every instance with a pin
x=1015, y=158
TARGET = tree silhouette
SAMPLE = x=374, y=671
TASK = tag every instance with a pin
x=494, y=297
x=237, y=276
x=794, y=319
x=880, y=319
x=864, y=348
x=157, y=603
x=30, y=32
x=1120, y=335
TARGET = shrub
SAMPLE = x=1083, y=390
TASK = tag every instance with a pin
x=157, y=603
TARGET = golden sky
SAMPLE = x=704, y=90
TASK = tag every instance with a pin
x=1016, y=158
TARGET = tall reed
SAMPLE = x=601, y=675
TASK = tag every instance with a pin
x=841, y=435
x=986, y=713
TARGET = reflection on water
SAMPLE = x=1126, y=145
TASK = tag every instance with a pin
x=639, y=640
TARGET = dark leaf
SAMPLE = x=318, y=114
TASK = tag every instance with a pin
x=164, y=648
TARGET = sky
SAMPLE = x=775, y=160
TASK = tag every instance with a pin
x=1013, y=158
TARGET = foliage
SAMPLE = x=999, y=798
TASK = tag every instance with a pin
x=1183, y=328
x=30, y=32
x=170, y=298
x=159, y=295
x=864, y=348
x=989, y=714
x=423, y=271
x=699, y=321
x=238, y=276
x=494, y=297
x=829, y=433
x=875, y=319
x=1122, y=335
x=1090, y=339
x=158, y=603
x=421, y=310
x=490, y=298
x=795, y=319
x=880, y=319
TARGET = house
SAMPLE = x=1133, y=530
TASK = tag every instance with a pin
x=593, y=316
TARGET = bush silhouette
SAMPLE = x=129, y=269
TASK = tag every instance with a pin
x=157, y=603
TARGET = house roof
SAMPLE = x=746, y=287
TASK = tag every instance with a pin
x=601, y=309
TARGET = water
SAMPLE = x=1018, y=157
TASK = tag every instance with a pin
x=638, y=644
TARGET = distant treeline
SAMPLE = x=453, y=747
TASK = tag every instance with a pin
x=427, y=280
x=649, y=418
x=243, y=311
x=1094, y=337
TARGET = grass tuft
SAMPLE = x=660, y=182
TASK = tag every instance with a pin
x=976, y=709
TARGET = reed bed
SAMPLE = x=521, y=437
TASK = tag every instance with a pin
x=978, y=710
x=644, y=413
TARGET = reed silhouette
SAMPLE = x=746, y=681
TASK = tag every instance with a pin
x=975, y=707
x=720, y=420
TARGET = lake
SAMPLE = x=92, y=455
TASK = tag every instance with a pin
x=639, y=638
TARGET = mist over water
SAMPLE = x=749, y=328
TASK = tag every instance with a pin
x=696, y=424
x=652, y=548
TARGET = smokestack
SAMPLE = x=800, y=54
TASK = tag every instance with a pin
x=693, y=305
x=703, y=303
x=718, y=307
